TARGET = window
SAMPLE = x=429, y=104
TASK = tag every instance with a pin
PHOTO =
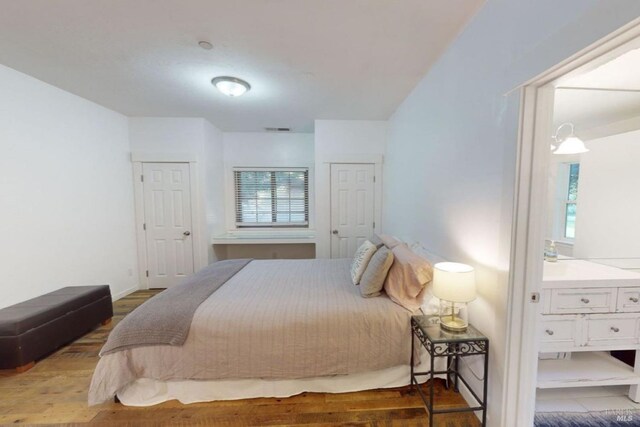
x=272, y=198
x=571, y=200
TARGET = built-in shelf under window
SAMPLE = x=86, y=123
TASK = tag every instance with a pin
x=265, y=237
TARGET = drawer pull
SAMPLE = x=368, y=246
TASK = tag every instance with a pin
x=549, y=332
x=585, y=300
x=614, y=329
x=633, y=299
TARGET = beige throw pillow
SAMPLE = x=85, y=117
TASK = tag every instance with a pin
x=376, y=272
x=360, y=260
x=408, y=278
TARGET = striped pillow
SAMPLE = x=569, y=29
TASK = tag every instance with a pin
x=360, y=260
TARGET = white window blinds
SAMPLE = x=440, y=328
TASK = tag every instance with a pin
x=272, y=198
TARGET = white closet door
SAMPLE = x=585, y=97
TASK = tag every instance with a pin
x=167, y=209
x=352, y=207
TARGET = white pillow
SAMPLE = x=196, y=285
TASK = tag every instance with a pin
x=361, y=260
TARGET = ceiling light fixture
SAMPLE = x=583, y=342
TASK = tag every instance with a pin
x=231, y=86
x=570, y=144
x=205, y=45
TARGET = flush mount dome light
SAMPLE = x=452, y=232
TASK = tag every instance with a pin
x=231, y=86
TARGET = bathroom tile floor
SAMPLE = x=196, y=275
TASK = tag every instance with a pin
x=584, y=399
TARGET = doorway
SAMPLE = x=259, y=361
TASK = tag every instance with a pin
x=352, y=207
x=167, y=223
x=529, y=297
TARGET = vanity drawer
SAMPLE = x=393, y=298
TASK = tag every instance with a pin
x=558, y=330
x=584, y=300
x=628, y=300
x=611, y=330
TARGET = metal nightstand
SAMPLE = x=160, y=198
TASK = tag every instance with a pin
x=452, y=345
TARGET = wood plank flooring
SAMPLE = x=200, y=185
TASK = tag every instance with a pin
x=55, y=392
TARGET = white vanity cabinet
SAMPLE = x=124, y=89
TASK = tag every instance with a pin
x=628, y=300
x=589, y=309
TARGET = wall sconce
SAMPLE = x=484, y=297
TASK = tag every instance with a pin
x=570, y=144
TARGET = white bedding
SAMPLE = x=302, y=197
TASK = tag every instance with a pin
x=274, y=320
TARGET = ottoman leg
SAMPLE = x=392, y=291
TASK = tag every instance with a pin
x=106, y=322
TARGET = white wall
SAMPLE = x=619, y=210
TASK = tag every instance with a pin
x=198, y=138
x=214, y=184
x=67, y=195
x=338, y=137
x=167, y=134
x=268, y=149
x=341, y=141
x=450, y=164
x=608, y=204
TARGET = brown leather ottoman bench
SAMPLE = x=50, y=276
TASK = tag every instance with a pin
x=37, y=327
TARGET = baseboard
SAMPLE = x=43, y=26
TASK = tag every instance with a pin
x=468, y=397
x=124, y=293
x=464, y=391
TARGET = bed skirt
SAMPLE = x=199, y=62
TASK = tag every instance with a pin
x=147, y=392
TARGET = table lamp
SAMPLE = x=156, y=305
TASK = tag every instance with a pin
x=455, y=285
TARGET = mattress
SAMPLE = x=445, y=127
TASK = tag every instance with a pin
x=274, y=320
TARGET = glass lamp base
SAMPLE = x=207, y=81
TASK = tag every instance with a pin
x=456, y=324
x=453, y=316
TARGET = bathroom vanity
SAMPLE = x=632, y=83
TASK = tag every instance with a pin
x=589, y=309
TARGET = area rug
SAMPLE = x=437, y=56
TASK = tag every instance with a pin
x=612, y=418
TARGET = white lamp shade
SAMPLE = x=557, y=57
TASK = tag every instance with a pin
x=571, y=145
x=454, y=282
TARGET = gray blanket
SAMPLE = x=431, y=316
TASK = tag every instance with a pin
x=166, y=318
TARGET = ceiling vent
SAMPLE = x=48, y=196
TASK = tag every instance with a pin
x=278, y=129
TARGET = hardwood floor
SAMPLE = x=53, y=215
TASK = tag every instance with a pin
x=55, y=392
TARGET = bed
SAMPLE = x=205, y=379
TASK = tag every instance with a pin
x=276, y=328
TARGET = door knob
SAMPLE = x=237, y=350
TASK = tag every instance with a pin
x=187, y=233
x=335, y=232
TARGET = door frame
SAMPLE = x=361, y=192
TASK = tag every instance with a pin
x=355, y=159
x=332, y=207
x=199, y=241
x=530, y=203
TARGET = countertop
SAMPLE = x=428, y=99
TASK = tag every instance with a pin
x=572, y=273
